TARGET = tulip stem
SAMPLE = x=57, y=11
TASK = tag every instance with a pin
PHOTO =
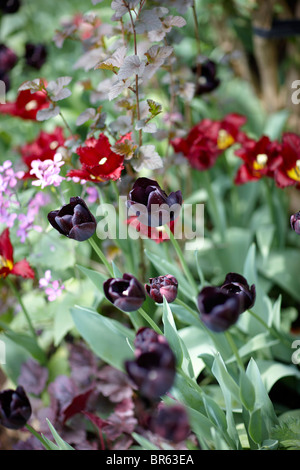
x=18, y=296
x=184, y=265
x=234, y=349
x=216, y=214
x=38, y=436
x=150, y=321
x=101, y=256
x=271, y=330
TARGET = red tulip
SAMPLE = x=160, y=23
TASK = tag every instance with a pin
x=7, y=264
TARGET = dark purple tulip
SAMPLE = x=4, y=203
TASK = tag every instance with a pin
x=74, y=220
x=295, y=222
x=207, y=79
x=153, y=371
x=171, y=423
x=126, y=293
x=8, y=59
x=219, y=309
x=237, y=285
x=151, y=204
x=35, y=55
x=15, y=408
x=146, y=339
x=162, y=286
x=10, y=6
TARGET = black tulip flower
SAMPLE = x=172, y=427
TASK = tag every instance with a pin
x=153, y=371
x=146, y=339
x=171, y=423
x=126, y=293
x=74, y=220
x=207, y=80
x=35, y=55
x=15, y=408
x=10, y=6
x=237, y=285
x=152, y=205
x=219, y=309
x=295, y=222
x=8, y=59
x=162, y=286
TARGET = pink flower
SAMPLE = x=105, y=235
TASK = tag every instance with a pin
x=8, y=177
x=27, y=220
x=47, y=172
x=53, y=289
x=93, y=195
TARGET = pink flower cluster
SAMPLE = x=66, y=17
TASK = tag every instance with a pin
x=53, y=289
x=27, y=220
x=10, y=206
x=8, y=202
x=47, y=172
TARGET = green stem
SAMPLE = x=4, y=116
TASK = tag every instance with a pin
x=101, y=256
x=184, y=265
x=271, y=330
x=234, y=349
x=218, y=218
x=38, y=436
x=17, y=295
x=150, y=321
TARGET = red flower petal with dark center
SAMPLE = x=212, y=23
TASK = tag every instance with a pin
x=99, y=162
x=7, y=266
x=43, y=148
x=26, y=105
x=22, y=268
x=6, y=248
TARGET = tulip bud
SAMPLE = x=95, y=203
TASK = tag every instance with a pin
x=237, y=285
x=162, y=286
x=35, y=55
x=207, y=80
x=171, y=423
x=219, y=309
x=127, y=293
x=146, y=339
x=295, y=222
x=151, y=204
x=74, y=220
x=15, y=408
x=10, y=6
x=8, y=59
x=153, y=371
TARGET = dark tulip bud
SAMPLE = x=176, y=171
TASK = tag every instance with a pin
x=8, y=59
x=126, y=293
x=35, y=55
x=146, y=339
x=10, y=6
x=171, y=423
x=151, y=204
x=162, y=286
x=74, y=220
x=237, y=285
x=219, y=309
x=153, y=371
x=295, y=222
x=207, y=80
x=15, y=408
